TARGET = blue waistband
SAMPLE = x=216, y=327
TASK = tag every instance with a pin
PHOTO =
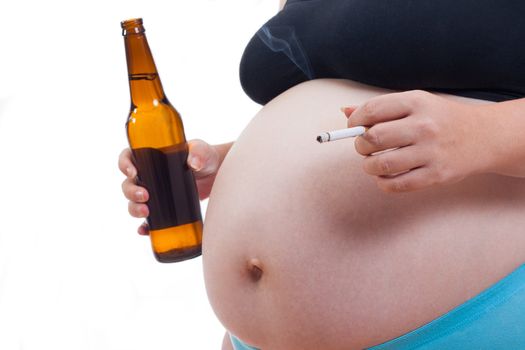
x=239, y=345
x=494, y=319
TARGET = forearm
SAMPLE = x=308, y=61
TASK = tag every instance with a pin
x=506, y=138
x=226, y=342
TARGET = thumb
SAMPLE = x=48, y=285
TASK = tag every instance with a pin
x=348, y=110
x=203, y=158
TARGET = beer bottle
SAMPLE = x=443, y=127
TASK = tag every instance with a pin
x=159, y=150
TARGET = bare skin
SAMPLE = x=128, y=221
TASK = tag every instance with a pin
x=444, y=234
x=303, y=251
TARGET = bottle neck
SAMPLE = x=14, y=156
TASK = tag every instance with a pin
x=144, y=82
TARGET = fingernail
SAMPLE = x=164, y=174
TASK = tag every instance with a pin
x=195, y=163
x=347, y=111
x=139, y=195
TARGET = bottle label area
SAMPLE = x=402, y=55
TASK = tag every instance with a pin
x=173, y=197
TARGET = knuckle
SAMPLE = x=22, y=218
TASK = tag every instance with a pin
x=398, y=185
x=200, y=149
x=417, y=97
x=123, y=154
x=369, y=108
x=135, y=209
x=359, y=146
x=124, y=186
x=372, y=137
x=145, y=194
x=418, y=94
x=212, y=160
x=427, y=127
x=196, y=144
x=122, y=162
x=441, y=175
x=127, y=157
x=206, y=156
x=129, y=190
x=384, y=165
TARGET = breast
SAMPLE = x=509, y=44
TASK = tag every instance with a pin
x=302, y=251
x=396, y=44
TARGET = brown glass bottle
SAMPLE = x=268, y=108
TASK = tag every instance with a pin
x=158, y=144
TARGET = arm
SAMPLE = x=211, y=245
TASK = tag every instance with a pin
x=226, y=342
x=506, y=145
x=281, y=4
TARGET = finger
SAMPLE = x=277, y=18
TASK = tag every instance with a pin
x=413, y=180
x=383, y=136
x=202, y=158
x=381, y=109
x=138, y=210
x=133, y=192
x=143, y=229
x=126, y=165
x=394, y=161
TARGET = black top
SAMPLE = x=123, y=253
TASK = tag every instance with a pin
x=473, y=48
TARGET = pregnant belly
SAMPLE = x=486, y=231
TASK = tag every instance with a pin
x=302, y=251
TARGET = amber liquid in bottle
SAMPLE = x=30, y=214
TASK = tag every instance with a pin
x=158, y=144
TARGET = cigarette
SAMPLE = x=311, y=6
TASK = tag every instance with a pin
x=341, y=134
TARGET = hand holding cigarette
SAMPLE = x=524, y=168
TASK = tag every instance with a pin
x=419, y=139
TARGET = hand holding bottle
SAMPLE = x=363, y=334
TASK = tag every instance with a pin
x=203, y=159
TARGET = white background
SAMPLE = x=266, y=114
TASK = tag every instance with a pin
x=73, y=272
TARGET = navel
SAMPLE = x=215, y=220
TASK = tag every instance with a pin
x=255, y=270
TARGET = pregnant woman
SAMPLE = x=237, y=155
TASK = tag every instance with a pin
x=305, y=245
